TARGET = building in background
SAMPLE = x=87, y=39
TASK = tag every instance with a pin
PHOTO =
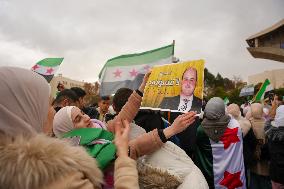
x=68, y=83
x=269, y=43
x=276, y=78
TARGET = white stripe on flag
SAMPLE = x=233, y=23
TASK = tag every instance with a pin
x=122, y=73
x=229, y=159
x=269, y=88
x=46, y=70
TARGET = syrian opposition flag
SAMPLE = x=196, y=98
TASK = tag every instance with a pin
x=47, y=67
x=129, y=70
x=222, y=162
x=265, y=87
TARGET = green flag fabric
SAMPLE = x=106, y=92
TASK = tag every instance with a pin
x=265, y=87
x=226, y=100
x=97, y=142
x=222, y=162
x=129, y=70
x=47, y=67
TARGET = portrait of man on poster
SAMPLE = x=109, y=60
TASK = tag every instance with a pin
x=185, y=101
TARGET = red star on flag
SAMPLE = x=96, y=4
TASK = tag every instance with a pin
x=49, y=71
x=231, y=181
x=35, y=67
x=230, y=136
x=133, y=73
x=117, y=73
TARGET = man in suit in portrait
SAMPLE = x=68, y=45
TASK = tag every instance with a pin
x=186, y=101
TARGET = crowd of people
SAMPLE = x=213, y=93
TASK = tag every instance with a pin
x=62, y=143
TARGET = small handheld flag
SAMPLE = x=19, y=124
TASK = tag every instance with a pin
x=47, y=67
x=265, y=87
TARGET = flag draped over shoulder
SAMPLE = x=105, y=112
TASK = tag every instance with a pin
x=47, y=67
x=128, y=70
x=265, y=87
x=222, y=162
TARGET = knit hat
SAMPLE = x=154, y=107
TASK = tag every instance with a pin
x=215, y=119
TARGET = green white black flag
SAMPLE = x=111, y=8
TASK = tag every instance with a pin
x=47, y=67
x=128, y=70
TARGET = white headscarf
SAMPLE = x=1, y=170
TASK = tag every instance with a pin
x=24, y=101
x=234, y=110
x=62, y=122
x=279, y=117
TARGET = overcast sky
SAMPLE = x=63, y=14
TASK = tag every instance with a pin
x=89, y=32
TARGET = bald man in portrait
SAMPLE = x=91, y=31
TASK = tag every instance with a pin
x=186, y=101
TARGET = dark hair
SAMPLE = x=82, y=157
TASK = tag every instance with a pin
x=79, y=92
x=104, y=98
x=66, y=93
x=120, y=98
x=59, y=85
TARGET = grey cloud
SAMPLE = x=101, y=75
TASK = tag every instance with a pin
x=89, y=32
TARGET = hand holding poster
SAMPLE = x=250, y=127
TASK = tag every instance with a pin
x=176, y=87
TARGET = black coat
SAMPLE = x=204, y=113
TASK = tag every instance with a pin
x=149, y=120
x=172, y=103
x=187, y=138
x=276, y=149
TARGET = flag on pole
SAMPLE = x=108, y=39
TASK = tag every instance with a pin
x=265, y=87
x=129, y=70
x=47, y=67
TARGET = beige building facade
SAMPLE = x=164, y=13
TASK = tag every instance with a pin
x=68, y=83
x=276, y=78
x=269, y=43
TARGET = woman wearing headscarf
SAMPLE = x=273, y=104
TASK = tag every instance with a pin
x=260, y=168
x=30, y=160
x=249, y=139
x=69, y=119
x=275, y=135
x=234, y=110
x=219, y=147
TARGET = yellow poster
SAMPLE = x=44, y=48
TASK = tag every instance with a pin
x=175, y=87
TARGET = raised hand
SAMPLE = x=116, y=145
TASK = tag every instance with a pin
x=145, y=79
x=180, y=124
x=122, y=130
